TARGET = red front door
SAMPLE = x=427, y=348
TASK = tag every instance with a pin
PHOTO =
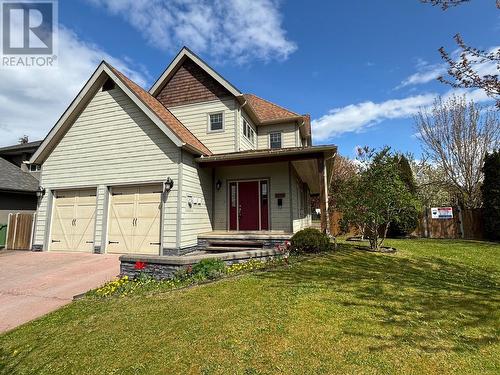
x=248, y=196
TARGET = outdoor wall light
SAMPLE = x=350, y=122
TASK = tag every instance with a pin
x=218, y=184
x=168, y=184
x=40, y=192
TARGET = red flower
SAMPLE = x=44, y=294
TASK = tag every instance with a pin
x=139, y=265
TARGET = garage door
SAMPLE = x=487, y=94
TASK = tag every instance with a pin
x=134, y=220
x=73, y=221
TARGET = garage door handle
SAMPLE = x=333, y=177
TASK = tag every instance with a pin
x=89, y=241
x=154, y=243
x=55, y=241
x=110, y=242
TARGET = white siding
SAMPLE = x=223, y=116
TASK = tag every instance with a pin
x=278, y=175
x=197, y=185
x=300, y=205
x=111, y=143
x=289, y=132
x=196, y=116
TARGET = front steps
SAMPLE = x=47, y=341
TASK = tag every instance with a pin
x=224, y=242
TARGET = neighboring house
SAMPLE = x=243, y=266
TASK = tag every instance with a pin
x=20, y=154
x=131, y=171
x=17, y=191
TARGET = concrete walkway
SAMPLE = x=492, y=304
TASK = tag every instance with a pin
x=33, y=284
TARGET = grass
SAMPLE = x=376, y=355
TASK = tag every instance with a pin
x=431, y=308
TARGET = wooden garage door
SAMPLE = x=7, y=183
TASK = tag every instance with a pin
x=73, y=221
x=134, y=220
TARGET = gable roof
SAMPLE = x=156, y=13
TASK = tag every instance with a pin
x=270, y=113
x=14, y=179
x=164, y=114
x=161, y=116
x=186, y=53
x=262, y=111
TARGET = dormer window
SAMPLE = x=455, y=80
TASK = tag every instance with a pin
x=275, y=140
x=216, y=122
x=248, y=131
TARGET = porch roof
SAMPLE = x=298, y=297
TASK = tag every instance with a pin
x=268, y=155
x=303, y=159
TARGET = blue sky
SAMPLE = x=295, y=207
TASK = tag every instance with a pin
x=360, y=68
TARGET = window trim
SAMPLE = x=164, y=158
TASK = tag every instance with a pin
x=281, y=139
x=248, y=131
x=209, y=122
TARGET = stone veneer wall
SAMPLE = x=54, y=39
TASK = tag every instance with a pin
x=165, y=267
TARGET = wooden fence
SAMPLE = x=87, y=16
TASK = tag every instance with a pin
x=468, y=221
x=19, y=231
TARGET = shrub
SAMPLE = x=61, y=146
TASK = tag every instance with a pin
x=310, y=240
x=208, y=269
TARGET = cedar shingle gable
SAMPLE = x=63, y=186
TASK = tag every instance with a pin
x=190, y=84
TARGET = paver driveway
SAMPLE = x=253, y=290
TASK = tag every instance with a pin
x=35, y=283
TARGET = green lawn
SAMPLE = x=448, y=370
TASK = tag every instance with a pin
x=433, y=307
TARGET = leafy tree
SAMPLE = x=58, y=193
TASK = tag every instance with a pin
x=376, y=196
x=491, y=195
x=455, y=135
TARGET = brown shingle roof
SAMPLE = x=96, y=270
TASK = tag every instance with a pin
x=267, y=111
x=270, y=112
x=163, y=113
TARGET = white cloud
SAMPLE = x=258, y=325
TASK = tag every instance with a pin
x=32, y=99
x=358, y=117
x=225, y=29
x=429, y=72
x=425, y=73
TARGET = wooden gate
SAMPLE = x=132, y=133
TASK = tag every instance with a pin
x=19, y=231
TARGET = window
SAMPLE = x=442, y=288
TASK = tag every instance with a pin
x=275, y=140
x=34, y=167
x=248, y=131
x=216, y=122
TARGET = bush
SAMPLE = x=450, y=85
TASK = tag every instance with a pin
x=310, y=240
x=208, y=269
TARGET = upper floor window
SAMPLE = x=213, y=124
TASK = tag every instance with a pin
x=248, y=131
x=275, y=140
x=34, y=167
x=216, y=122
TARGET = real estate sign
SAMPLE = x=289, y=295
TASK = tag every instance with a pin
x=442, y=212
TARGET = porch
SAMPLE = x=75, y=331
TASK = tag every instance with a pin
x=268, y=191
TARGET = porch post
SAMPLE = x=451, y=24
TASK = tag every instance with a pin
x=323, y=195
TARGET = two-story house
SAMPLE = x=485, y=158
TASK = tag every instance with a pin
x=130, y=171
